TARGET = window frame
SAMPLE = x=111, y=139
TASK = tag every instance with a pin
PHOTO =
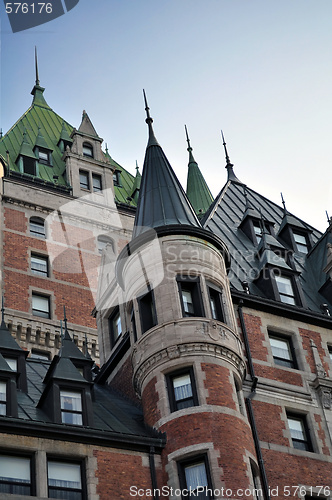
x=298, y=245
x=190, y=462
x=117, y=178
x=31, y=484
x=147, y=311
x=37, y=222
x=300, y=444
x=64, y=461
x=115, y=334
x=45, y=161
x=3, y=401
x=34, y=310
x=85, y=186
x=191, y=285
x=86, y=146
x=173, y=402
x=278, y=360
x=44, y=259
x=65, y=411
x=281, y=294
x=95, y=177
x=215, y=293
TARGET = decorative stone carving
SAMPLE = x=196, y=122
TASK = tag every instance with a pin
x=326, y=395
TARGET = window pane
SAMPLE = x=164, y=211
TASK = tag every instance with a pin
x=87, y=150
x=12, y=363
x=196, y=476
x=40, y=306
x=296, y=429
x=14, y=469
x=96, y=182
x=301, y=242
x=285, y=289
x=39, y=265
x=187, y=301
x=258, y=232
x=84, y=180
x=182, y=387
x=37, y=228
x=3, y=396
x=71, y=401
x=64, y=475
x=280, y=348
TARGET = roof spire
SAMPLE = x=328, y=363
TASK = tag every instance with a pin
x=36, y=66
x=152, y=139
x=283, y=203
x=229, y=165
x=2, y=311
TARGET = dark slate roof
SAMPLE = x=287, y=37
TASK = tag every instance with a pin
x=114, y=416
x=162, y=201
x=6, y=339
x=69, y=349
x=223, y=219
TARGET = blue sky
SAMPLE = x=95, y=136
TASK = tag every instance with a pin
x=260, y=70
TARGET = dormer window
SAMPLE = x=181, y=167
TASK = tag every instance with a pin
x=3, y=397
x=117, y=178
x=96, y=183
x=285, y=289
x=12, y=363
x=71, y=407
x=44, y=156
x=29, y=165
x=301, y=242
x=257, y=231
x=87, y=150
x=115, y=326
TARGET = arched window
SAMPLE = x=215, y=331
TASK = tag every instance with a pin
x=37, y=227
x=87, y=150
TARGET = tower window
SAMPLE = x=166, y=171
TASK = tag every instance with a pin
x=115, y=326
x=3, y=398
x=39, y=265
x=15, y=475
x=195, y=477
x=299, y=432
x=41, y=306
x=182, y=389
x=64, y=480
x=87, y=150
x=147, y=311
x=117, y=178
x=190, y=296
x=84, y=180
x=96, y=183
x=71, y=407
x=282, y=351
x=37, y=227
x=285, y=289
x=216, y=304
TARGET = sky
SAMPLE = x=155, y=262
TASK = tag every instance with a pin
x=261, y=70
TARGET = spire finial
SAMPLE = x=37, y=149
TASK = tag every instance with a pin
x=106, y=147
x=147, y=109
x=152, y=140
x=329, y=220
x=136, y=166
x=36, y=66
x=228, y=163
x=65, y=318
x=188, y=141
x=283, y=202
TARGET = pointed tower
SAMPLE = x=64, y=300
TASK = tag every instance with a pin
x=197, y=191
x=183, y=353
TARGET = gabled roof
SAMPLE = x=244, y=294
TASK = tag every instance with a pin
x=86, y=126
x=224, y=218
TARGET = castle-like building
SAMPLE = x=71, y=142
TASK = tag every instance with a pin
x=155, y=343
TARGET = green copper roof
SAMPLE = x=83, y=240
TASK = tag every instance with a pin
x=43, y=126
x=197, y=191
x=125, y=188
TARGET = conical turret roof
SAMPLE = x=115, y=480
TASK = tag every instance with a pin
x=162, y=200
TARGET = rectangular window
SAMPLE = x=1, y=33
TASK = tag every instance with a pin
x=182, y=390
x=71, y=407
x=84, y=180
x=39, y=265
x=190, y=296
x=64, y=480
x=299, y=432
x=115, y=326
x=29, y=165
x=147, y=311
x=41, y=306
x=285, y=289
x=12, y=363
x=3, y=397
x=44, y=157
x=15, y=475
x=195, y=477
x=301, y=242
x=258, y=232
x=216, y=304
x=37, y=227
x=96, y=183
x=116, y=178
x=282, y=351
